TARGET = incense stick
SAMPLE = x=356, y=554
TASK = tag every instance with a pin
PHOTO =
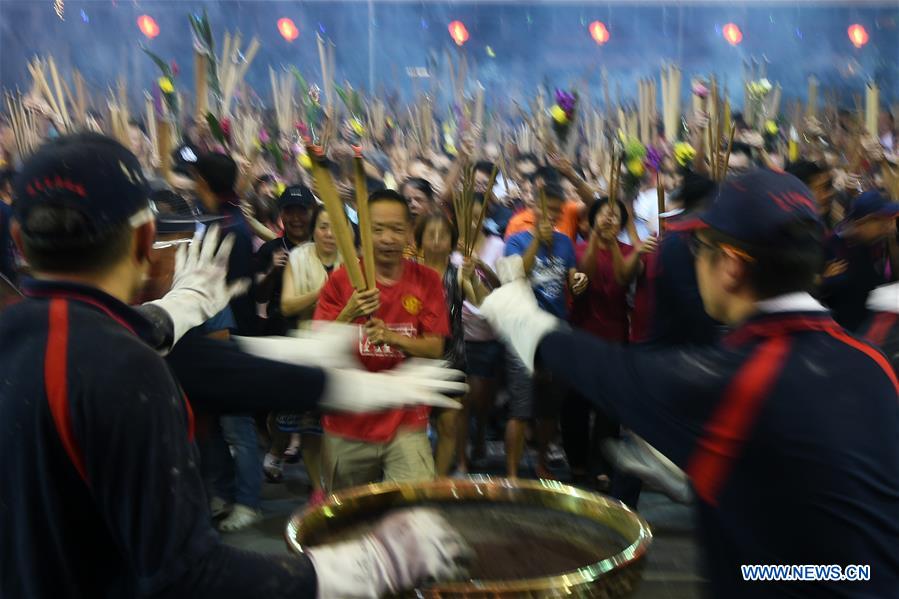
x=324, y=187
x=362, y=209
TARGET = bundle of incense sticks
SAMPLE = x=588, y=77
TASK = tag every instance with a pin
x=327, y=192
x=282, y=98
x=232, y=69
x=717, y=165
x=671, y=94
x=57, y=102
x=872, y=107
x=26, y=136
x=151, y=126
x=326, y=62
x=812, y=100
x=646, y=109
x=368, y=251
x=614, y=179
x=201, y=87
x=246, y=134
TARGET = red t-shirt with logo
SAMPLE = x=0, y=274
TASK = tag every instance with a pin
x=413, y=306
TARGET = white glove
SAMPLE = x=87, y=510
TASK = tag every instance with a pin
x=513, y=312
x=326, y=345
x=199, y=287
x=885, y=299
x=348, y=390
x=407, y=548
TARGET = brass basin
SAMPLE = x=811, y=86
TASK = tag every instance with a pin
x=613, y=576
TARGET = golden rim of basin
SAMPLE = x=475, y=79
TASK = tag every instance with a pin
x=613, y=576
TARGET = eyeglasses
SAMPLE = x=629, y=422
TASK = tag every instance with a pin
x=168, y=243
x=696, y=243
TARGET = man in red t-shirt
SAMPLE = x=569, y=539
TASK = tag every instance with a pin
x=405, y=316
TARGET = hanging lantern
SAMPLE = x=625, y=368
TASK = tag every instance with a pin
x=599, y=32
x=458, y=32
x=288, y=29
x=148, y=26
x=858, y=35
x=732, y=34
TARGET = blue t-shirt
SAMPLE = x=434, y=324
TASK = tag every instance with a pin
x=549, y=276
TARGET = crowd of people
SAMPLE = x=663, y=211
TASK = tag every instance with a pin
x=623, y=269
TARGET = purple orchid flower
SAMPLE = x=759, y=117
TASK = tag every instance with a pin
x=654, y=158
x=566, y=101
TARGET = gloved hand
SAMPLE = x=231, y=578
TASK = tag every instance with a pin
x=199, y=287
x=326, y=345
x=885, y=299
x=407, y=548
x=348, y=390
x=513, y=312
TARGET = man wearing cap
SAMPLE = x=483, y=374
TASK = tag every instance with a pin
x=102, y=495
x=787, y=428
x=295, y=206
x=861, y=255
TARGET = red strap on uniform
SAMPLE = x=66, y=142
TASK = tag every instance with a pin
x=880, y=327
x=56, y=381
x=841, y=335
x=729, y=428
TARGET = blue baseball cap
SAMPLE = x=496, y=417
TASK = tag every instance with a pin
x=764, y=209
x=88, y=172
x=872, y=203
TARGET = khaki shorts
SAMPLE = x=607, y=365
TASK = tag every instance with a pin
x=349, y=463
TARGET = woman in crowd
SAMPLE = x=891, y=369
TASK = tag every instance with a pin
x=436, y=237
x=308, y=267
x=483, y=352
x=603, y=310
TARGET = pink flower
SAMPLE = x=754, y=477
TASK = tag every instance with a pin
x=175, y=69
x=700, y=90
x=263, y=136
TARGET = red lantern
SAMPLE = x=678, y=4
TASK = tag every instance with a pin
x=858, y=35
x=288, y=29
x=148, y=26
x=732, y=34
x=599, y=33
x=458, y=32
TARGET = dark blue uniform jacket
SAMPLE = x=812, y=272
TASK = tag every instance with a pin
x=789, y=432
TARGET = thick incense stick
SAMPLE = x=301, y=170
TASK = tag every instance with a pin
x=368, y=251
x=872, y=107
x=476, y=230
x=324, y=187
x=201, y=86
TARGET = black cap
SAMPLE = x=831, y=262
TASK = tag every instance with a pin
x=296, y=195
x=765, y=209
x=88, y=172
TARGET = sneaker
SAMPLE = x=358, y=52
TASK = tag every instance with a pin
x=634, y=456
x=240, y=518
x=273, y=468
x=218, y=507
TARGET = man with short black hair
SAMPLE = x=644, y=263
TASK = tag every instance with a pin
x=405, y=315
x=785, y=429
x=551, y=266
